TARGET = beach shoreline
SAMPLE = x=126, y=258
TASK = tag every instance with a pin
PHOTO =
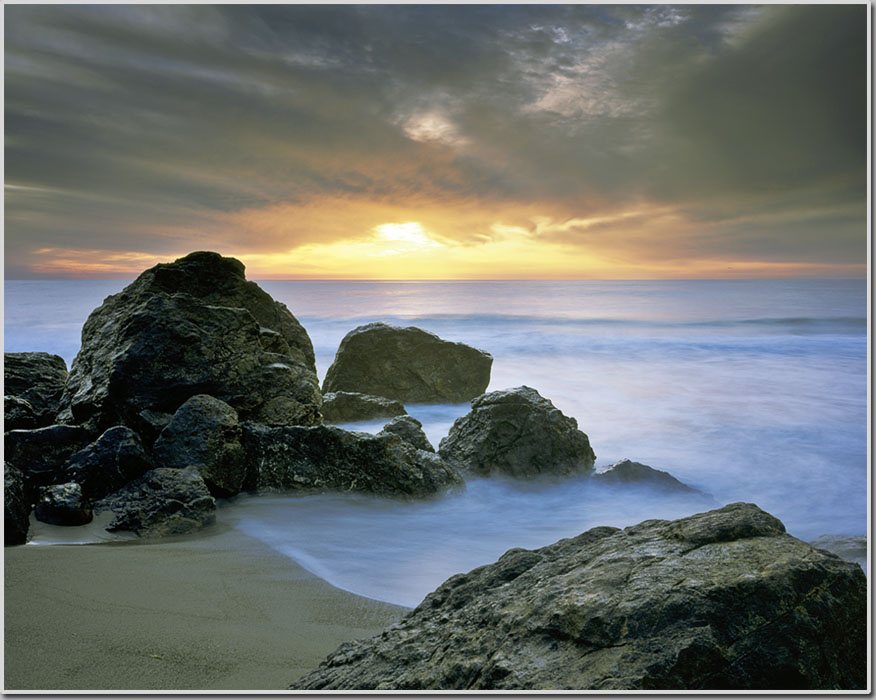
x=217, y=611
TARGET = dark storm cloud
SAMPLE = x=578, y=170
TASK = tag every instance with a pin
x=127, y=126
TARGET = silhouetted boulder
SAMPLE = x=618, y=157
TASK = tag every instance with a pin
x=39, y=379
x=108, y=463
x=42, y=453
x=204, y=434
x=721, y=600
x=407, y=364
x=16, y=506
x=62, y=504
x=345, y=406
x=628, y=472
x=518, y=433
x=328, y=458
x=410, y=430
x=161, y=502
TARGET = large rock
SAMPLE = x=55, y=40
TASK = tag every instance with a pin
x=627, y=472
x=720, y=600
x=195, y=326
x=410, y=430
x=16, y=506
x=161, y=502
x=344, y=406
x=39, y=379
x=19, y=414
x=328, y=458
x=204, y=434
x=63, y=504
x=407, y=364
x=42, y=453
x=108, y=463
x=518, y=433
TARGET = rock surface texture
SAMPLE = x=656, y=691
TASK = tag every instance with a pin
x=627, y=472
x=38, y=378
x=16, y=507
x=63, y=504
x=161, y=502
x=720, y=600
x=410, y=430
x=343, y=406
x=519, y=433
x=108, y=463
x=329, y=458
x=204, y=434
x=41, y=454
x=194, y=326
x=407, y=364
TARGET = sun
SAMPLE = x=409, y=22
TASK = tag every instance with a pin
x=404, y=238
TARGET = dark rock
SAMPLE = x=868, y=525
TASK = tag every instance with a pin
x=19, y=414
x=16, y=506
x=848, y=547
x=410, y=430
x=627, y=472
x=721, y=600
x=407, y=364
x=41, y=453
x=328, y=458
x=343, y=406
x=204, y=434
x=39, y=379
x=149, y=424
x=108, y=463
x=161, y=502
x=195, y=326
x=63, y=504
x=519, y=433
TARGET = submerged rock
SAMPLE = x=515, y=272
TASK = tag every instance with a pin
x=63, y=504
x=519, y=433
x=42, y=453
x=328, y=458
x=39, y=379
x=628, y=472
x=410, y=430
x=161, y=502
x=407, y=364
x=721, y=600
x=204, y=434
x=16, y=506
x=343, y=406
x=108, y=463
x=194, y=326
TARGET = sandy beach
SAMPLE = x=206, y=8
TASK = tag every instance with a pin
x=218, y=612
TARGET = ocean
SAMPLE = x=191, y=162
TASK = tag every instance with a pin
x=748, y=390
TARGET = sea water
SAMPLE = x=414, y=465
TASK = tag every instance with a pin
x=748, y=390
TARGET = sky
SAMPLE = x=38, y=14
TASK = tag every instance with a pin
x=437, y=142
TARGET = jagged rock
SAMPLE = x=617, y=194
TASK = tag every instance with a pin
x=19, y=414
x=410, y=430
x=149, y=424
x=627, y=472
x=519, y=433
x=16, y=506
x=63, y=504
x=161, y=502
x=407, y=364
x=329, y=458
x=108, y=463
x=343, y=406
x=720, y=600
x=204, y=434
x=194, y=326
x=41, y=453
x=39, y=379
x=848, y=547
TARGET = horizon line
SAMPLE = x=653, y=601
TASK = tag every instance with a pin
x=457, y=279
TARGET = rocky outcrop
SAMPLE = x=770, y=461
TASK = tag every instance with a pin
x=627, y=472
x=194, y=326
x=720, y=600
x=161, y=502
x=517, y=432
x=18, y=414
x=108, y=463
x=410, y=430
x=39, y=379
x=16, y=506
x=407, y=364
x=344, y=406
x=42, y=453
x=63, y=504
x=328, y=458
x=204, y=434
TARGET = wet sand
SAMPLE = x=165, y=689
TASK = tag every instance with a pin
x=219, y=612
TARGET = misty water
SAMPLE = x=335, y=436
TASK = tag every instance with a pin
x=749, y=390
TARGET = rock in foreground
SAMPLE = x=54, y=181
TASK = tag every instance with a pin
x=343, y=406
x=16, y=506
x=37, y=378
x=720, y=600
x=407, y=364
x=519, y=433
x=410, y=430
